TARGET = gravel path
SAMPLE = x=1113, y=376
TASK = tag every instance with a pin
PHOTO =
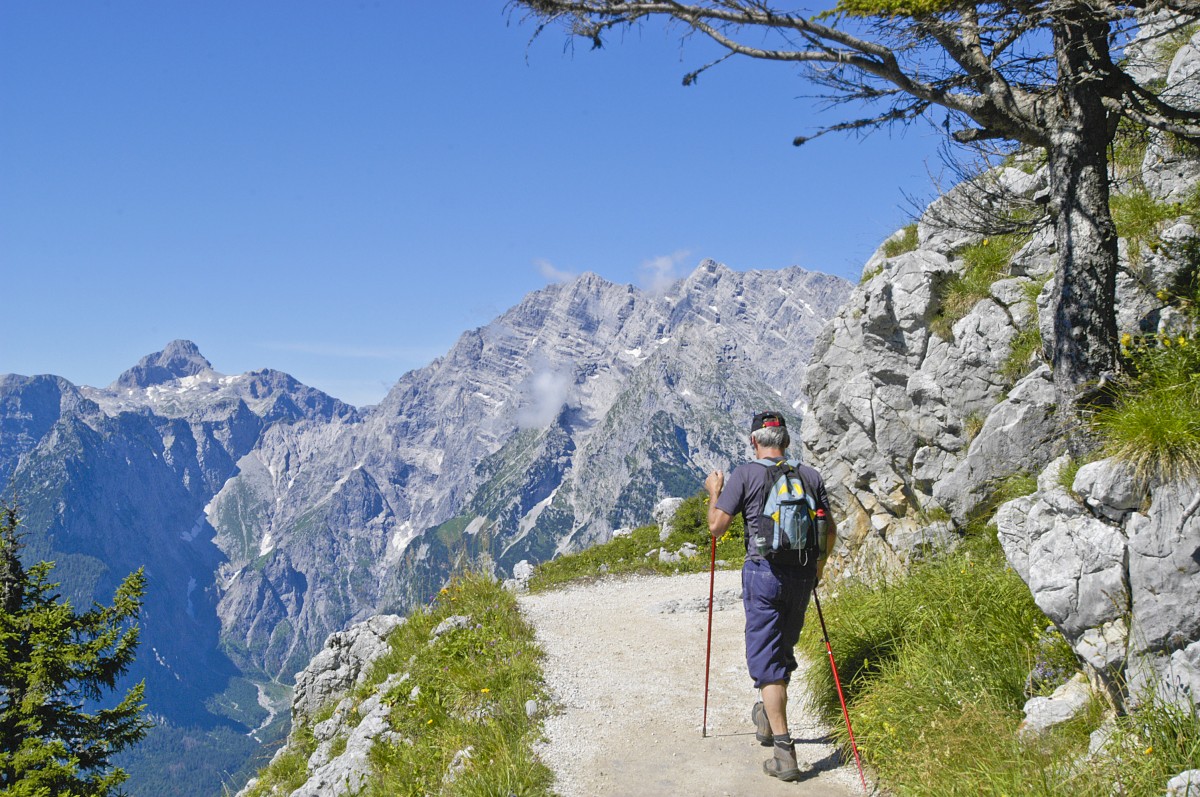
x=625, y=661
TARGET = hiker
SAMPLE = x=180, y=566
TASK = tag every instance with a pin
x=775, y=592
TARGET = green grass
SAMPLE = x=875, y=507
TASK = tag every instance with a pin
x=472, y=685
x=1138, y=216
x=625, y=555
x=1025, y=345
x=906, y=242
x=1149, y=746
x=1154, y=428
x=983, y=264
x=935, y=666
x=1153, y=422
x=289, y=771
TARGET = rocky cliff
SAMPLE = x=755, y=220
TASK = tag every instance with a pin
x=921, y=414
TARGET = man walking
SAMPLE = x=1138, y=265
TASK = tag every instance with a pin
x=775, y=592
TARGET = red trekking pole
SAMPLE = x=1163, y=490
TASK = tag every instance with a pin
x=712, y=578
x=837, y=682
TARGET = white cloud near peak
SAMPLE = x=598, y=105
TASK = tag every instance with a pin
x=659, y=273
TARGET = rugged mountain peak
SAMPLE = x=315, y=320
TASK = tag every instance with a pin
x=178, y=359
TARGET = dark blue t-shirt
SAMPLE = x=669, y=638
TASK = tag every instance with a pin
x=746, y=492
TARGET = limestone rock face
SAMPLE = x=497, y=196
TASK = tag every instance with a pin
x=341, y=664
x=899, y=418
x=916, y=427
x=1015, y=437
x=1113, y=553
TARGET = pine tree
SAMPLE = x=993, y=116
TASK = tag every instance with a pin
x=55, y=668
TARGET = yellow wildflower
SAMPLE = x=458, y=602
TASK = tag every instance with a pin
x=1182, y=342
x=1149, y=750
x=1166, y=342
x=1126, y=339
x=485, y=690
x=1162, y=296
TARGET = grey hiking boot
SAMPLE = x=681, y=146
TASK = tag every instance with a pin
x=762, y=725
x=783, y=764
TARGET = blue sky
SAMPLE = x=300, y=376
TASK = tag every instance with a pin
x=338, y=190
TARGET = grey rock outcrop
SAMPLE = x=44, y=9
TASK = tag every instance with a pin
x=342, y=663
x=353, y=726
x=1185, y=784
x=916, y=430
x=1067, y=701
x=1117, y=570
x=895, y=410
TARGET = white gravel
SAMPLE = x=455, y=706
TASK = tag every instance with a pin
x=625, y=663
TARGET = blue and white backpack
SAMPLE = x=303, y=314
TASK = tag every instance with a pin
x=787, y=525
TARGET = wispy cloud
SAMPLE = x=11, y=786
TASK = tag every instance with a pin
x=658, y=274
x=543, y=396
x=550, y=272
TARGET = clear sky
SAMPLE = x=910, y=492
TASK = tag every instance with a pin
x=339, y=189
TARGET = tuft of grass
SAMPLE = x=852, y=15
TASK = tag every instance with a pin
x=1148, y=747
x=629, y=554
x=1128, y=148
x=906, y=242
x=1014, y=486
x=1154, y=429
x=289, y=771
x=973, y=425
x=983, y=264
x=1153, y=422
x=1138, y=217
x=1170, y=44
x=1026, y=344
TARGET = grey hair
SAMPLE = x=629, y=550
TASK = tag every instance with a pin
x=772, y=437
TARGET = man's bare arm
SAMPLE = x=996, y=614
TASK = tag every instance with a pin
x=718, y=519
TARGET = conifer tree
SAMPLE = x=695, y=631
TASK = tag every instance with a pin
x=56, y=666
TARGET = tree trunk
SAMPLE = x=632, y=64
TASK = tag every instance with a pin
x=1084, y=348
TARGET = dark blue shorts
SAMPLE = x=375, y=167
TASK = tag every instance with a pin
x=775, y=599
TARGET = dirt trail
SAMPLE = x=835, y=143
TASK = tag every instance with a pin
x=625, y=659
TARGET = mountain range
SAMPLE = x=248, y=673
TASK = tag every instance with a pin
x=268, y=514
